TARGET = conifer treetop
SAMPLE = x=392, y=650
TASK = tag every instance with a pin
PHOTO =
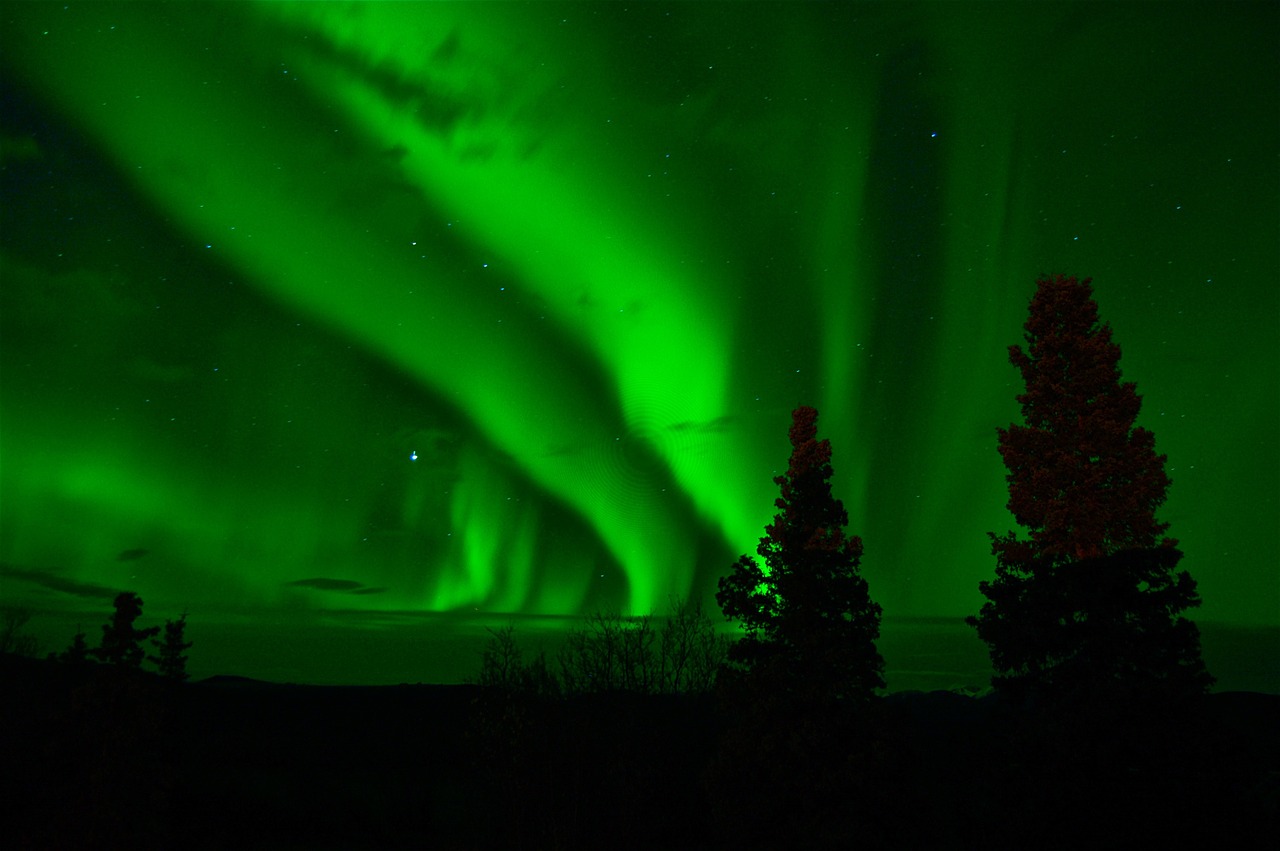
x=810, y=623
x=1084, y=480
x=810, y=517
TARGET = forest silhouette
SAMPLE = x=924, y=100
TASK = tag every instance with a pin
x=1099, y=730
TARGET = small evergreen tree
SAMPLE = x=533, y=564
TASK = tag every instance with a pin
x=1089, y=595
x=811, y=625
x=78, y=652
x=171, y=662
x=121, y=642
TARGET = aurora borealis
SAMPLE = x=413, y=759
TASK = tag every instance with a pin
x=503, y=307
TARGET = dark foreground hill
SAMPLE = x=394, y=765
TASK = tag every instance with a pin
x=95, y=760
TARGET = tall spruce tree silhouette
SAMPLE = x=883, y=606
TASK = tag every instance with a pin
x=121, y=642
x=811, y=625
x=171, y=658
x=1089, y=599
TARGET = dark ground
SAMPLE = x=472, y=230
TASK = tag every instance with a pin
x=94, y=760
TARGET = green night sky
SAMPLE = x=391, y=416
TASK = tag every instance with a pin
x=396, y=308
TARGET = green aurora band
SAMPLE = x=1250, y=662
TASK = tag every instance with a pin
x=504, y=307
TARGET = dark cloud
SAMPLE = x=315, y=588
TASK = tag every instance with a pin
x=132, y=555
x=54, y=582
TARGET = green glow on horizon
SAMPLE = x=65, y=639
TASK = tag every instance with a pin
x=584, y=261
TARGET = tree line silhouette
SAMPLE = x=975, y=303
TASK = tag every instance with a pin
x=121, y=645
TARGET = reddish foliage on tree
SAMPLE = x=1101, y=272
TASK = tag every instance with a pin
x=1090, y=594
x=810, y=621
x=1084, y=481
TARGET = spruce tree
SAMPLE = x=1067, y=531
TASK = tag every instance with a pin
x=171, y=661
x=811, y=625
x=1089, y=598
x=77, y=653
x=121, y=642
